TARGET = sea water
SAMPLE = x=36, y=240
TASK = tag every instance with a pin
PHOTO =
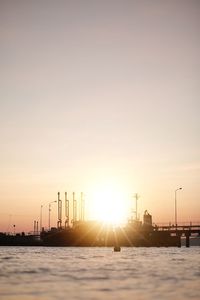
x=28, y=273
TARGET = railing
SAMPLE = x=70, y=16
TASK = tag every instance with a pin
x=185, y=223
x=195, y=228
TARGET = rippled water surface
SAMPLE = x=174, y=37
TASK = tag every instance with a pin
x=99, y=273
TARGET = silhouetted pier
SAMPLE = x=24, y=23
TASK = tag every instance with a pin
x=180, y=230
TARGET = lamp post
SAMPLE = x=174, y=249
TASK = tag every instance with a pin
x=41, y=218
x=14, y=229
x=50, y=213
x=136, y=206
x=176, y=206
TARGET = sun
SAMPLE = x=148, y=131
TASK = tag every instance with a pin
x=109, y=204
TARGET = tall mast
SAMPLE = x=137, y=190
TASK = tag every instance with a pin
x=74, y=209
x=59, y=211
x=66, y=211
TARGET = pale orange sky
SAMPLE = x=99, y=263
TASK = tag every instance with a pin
x=99, y=91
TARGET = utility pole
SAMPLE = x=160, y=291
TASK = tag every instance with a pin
x=175, y=206
x=41, y=207
x=136, y=206
x=50, y=213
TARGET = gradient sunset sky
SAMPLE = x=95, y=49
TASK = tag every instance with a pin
x=93, y=92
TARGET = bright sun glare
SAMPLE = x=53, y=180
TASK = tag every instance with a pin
x=109, y=204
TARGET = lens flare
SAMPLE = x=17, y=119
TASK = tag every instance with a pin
x=109, y=204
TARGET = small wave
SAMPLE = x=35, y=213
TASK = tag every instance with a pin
x=168, y=278
x=30, y=272
x=178, y=259
x=97, y=256
x=93, y=278
x=26, y=272
x=81, y=257
x=46, y=270
x=105, y=290
x=6, y=275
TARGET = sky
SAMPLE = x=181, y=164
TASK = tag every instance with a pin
x=94, y=94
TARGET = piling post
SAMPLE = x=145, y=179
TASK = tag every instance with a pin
x=187, y=240
x=179, y=240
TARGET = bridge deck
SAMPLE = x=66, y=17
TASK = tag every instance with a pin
x=181, y=229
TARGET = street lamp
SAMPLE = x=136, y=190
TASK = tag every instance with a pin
x=176, y=206
x=14, y=229
x=41, y=218
x=50, y=213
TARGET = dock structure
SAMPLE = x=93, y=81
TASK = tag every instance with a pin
x=81, y=232
x=180, y=230
x=133, y=234
x=92, y=233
